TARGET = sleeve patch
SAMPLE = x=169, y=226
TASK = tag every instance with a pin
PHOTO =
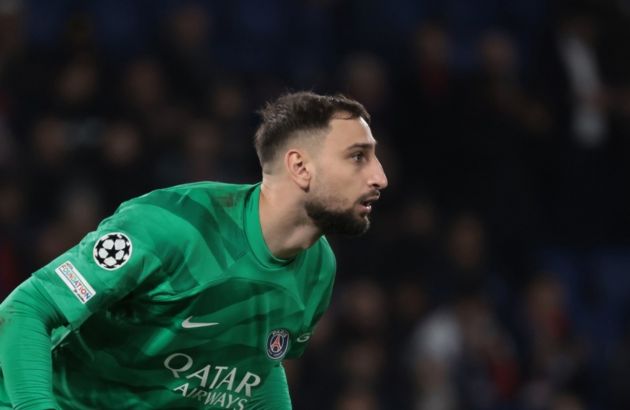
x=112, y=250
x=75, y=281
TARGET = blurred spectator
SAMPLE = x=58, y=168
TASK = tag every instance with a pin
x=48, y=165
x=618, y=377
x=146, y=98
x=203, y=152
x=566, y=402
x=554, y=355
x=13, y=238
x=186, y=51
x=122, y=158
x=77, y=92
x=575, y=90
x=466, y=264
x=8, y=149
x=366, y=78
x=357, y=399
x=202, y=156
x=463, y=358
x=363, y=364
x=430, y=93
x=11, y=31
x=362, y=309
x=576, y=45
x=78, y=212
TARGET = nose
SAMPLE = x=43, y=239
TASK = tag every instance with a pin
x=378, y=179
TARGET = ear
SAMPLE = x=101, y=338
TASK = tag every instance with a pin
x=297, y=165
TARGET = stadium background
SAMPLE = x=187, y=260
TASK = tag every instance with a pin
x=497, y=271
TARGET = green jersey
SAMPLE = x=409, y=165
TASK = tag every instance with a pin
x=175, y=302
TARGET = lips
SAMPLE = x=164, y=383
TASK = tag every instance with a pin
x=367, y=201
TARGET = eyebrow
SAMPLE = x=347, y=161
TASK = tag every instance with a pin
x=362, y=145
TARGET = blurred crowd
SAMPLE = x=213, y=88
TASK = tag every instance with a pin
x=496, y=272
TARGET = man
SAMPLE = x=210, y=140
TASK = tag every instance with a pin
x=191, y=296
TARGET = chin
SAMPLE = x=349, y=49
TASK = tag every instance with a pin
x=346, y=222
x=356, y=227
x=361, y=226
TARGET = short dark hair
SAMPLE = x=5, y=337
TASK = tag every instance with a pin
x=299, y=111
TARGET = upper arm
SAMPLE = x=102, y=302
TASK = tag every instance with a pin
x=105, y=266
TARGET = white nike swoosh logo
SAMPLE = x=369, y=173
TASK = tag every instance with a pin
x=187, y=324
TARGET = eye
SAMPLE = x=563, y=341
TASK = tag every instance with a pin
x=358, y=156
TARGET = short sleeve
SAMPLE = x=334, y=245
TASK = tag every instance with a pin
x=106, y=265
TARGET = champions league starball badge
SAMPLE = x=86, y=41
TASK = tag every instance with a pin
x=277, y=344
x=112, y=251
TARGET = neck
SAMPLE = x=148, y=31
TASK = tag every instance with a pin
x=286, y=228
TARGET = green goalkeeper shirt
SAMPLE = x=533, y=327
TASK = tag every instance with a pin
x=175, y=302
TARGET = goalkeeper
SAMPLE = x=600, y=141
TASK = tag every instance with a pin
x=190, y=297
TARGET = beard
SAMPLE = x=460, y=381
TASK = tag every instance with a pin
x=333, y=221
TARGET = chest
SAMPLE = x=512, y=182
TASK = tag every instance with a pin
x=232, y=319
x=236, y=311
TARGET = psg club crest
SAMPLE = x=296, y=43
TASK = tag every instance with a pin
x=277, y=344
x=112, y=251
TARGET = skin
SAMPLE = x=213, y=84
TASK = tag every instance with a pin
x=336, y=170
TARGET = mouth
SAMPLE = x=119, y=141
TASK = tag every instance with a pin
x=366, y=203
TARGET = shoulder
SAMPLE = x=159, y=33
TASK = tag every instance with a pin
x=183, y=206
x=201, y=191
x=191, y=198
x=209, y=187
x=174, y=220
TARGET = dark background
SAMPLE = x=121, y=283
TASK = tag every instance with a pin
x=497, y=272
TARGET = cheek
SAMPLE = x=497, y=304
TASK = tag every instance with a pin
x=331, y=184
x=337, y=182
x=337, y=175
x=338, y=196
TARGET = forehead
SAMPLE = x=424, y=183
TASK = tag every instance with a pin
x=347, y=132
